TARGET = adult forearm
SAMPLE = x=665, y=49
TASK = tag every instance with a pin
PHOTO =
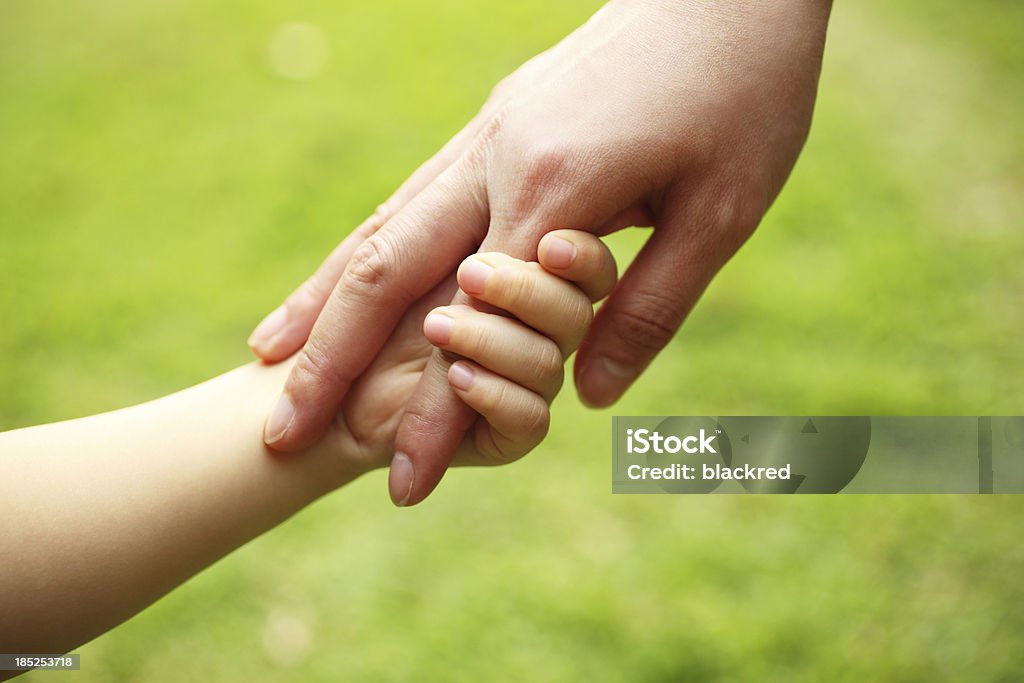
x=103, y=515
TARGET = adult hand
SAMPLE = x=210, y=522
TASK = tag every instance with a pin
x=511, y=365
x=683, y=115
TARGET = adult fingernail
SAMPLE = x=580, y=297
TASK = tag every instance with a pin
x=270, y=326
x=438, y=328
x=559, y=253
x=461, y=376
x=401, y=479
x=603, y=381
x=473, y=276
x=279, y=421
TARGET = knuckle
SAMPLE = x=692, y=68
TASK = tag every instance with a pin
x=495, y=448
x=515, y=288
x=496, y=398
x=417, y=423
x=536, y=421
x=474, y=339
x=741, y=215
x=312, y=368
x=642, y=328
x=549, y=361
x=372, y=264
x=545, y=162
x=544, y=169
x=532, y=426
x=488, y=136
x=736, y=214
x=582, y=314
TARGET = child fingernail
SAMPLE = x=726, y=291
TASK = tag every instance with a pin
x=559, y=253
x=438, y=328
x=473, y=276
x=461, y=376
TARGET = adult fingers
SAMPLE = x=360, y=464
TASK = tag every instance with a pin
x=385, y=274
x=435, y=419
x=434, y=423
x=287, y=327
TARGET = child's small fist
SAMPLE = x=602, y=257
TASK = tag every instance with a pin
x=514, y=354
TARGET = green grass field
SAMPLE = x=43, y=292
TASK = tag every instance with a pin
x=161, y=189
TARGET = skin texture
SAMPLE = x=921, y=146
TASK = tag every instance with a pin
x=110, y=512
x=684, y=116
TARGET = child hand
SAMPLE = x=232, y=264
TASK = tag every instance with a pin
x=513, y=357
x=511, y=352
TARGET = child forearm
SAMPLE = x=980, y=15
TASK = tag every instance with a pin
x=101, y=516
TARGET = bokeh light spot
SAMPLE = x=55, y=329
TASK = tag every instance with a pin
x=298, y=51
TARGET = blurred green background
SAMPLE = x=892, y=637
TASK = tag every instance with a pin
x=164, y=183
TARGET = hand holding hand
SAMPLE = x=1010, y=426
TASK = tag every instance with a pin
x=511, y=358
x=684, y=116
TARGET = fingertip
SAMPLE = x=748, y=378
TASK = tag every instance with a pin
x=305, y=410
x=279, y=422
x=281, y=345
x=437, y=327
x=261, y=339
x=556, y=252
x=297, y=435
x=271, y=352
x=579, y=257
x=600, y=382
x=401, y=479
x=461, y=375
x=473, y=274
